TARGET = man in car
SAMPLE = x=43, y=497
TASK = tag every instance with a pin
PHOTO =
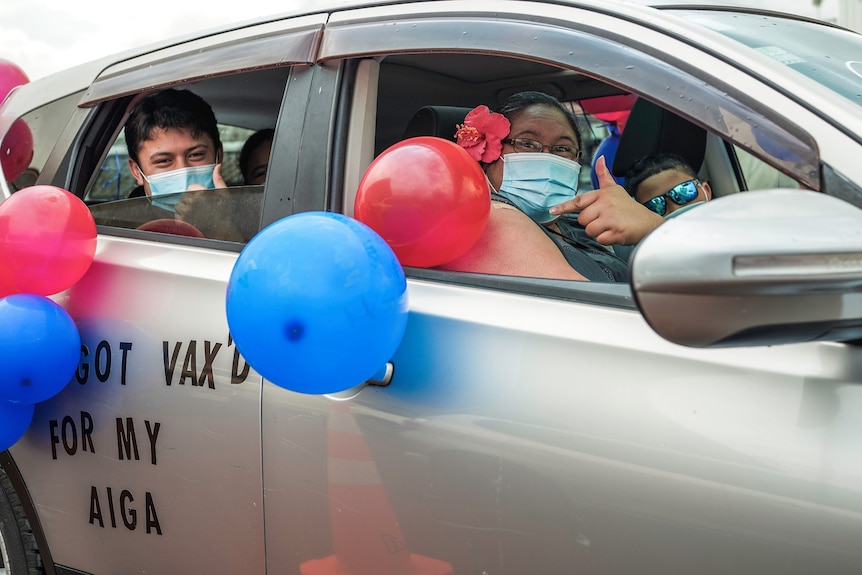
x=174, y=155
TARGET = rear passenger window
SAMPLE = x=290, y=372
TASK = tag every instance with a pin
x=171, y=186
x=33, y=136
x=759, y=175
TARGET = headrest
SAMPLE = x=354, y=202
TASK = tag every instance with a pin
x=437, y=121
x=651, y=129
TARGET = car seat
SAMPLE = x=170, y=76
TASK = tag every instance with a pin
x=607, y=148
x=440, y=121
x=651, y=129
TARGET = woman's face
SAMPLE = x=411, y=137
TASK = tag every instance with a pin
x=539, y=122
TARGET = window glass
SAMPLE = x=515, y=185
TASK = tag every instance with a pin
x=759, y=175
x=36, y=133
x=827, y=55
x=181, y=194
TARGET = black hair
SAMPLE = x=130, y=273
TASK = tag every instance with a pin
x=169, y=109
x=254, y=141
x=518, y=102
x=649, y=166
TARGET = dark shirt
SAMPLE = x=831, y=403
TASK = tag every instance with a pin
x=591, y=259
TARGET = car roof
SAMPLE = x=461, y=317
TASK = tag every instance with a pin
x=80, y=76
x=630, y=8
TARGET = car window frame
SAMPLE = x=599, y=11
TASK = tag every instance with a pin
x=647, y=70
x=286, y=43
x=362, y=34
x=274, y=44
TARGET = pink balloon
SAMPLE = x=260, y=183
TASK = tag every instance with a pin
x=10, y=77
x=47, y=241
x=16, y=150
x=427, y=198
x=169, y=226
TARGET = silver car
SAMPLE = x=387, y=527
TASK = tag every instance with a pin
x=703, y=418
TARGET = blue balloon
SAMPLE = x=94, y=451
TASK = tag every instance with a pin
x=39, y=348
x=15, y=418
x=317, y=302
x=608, y=149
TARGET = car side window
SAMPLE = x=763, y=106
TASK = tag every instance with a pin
x=30, y=140
x=121, y=194
x=759, y=175
x=619, y=124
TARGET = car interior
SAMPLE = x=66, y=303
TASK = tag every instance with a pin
x=401, y=96
x=243, y=104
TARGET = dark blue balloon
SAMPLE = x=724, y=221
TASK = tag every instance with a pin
x=39, y=348
x=14, y=420
x=317, y=302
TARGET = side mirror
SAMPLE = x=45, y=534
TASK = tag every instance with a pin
x=755, y=268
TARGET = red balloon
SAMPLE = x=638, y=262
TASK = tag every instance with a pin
x=10, y=76
x=427, y=198
x=16, y=151
x=169, y=226
x=47, y=241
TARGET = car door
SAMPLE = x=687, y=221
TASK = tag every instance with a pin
x=537, y=426
x=150, y=459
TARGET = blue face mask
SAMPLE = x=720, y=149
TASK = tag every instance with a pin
x=166, y=188
x=535, y=181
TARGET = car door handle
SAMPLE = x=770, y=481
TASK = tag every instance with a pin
x=382, y=378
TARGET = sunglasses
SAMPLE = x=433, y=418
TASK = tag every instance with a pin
x=680, y=194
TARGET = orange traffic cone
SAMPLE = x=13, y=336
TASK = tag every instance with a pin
x=365, y=533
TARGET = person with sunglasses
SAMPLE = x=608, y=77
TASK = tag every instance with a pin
x=529, y=150
x=663, y=184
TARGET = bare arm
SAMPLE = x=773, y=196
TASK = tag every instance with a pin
x=512, y=244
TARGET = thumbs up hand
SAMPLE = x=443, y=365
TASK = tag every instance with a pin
x=609, y=214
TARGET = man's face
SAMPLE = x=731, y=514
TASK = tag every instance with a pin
x=169, y=150
x=258, y=164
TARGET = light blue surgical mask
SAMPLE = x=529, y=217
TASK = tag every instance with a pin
x=535, y=182
x=166, y=188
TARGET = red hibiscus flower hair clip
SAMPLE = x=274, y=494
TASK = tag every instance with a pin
x=481, y=132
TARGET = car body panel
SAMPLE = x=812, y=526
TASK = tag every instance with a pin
x=166, y=384
x=570, y=448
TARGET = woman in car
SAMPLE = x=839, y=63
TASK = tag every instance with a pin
x=529, y=150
